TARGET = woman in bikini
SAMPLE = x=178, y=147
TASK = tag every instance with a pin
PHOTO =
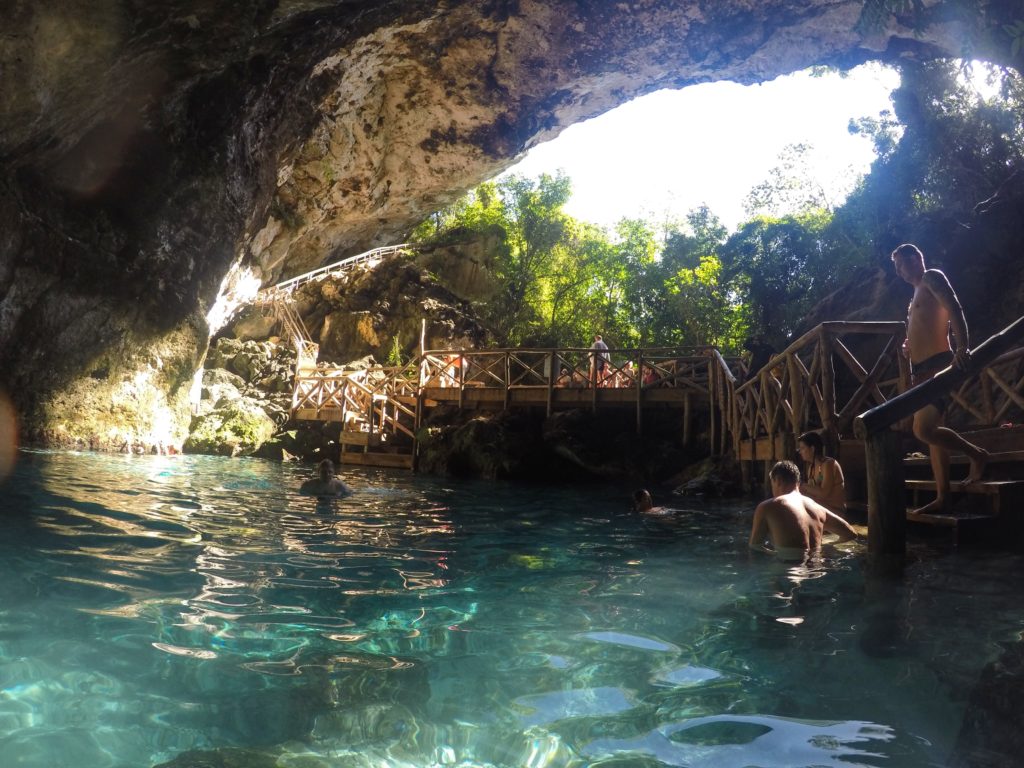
x=825, y=483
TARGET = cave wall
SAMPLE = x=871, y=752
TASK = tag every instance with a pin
x=149, y=148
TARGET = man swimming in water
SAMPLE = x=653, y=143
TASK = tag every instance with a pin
x=933, y=312
x=325, y=484
x=642, y=503
x=793, y=523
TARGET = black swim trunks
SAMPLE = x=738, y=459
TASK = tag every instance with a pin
x=921, y=372
x=930, y=366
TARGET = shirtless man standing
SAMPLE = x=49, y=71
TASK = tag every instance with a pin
x=932, y=312
x=793, y=522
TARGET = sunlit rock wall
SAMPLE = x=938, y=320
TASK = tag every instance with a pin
x=148, y=148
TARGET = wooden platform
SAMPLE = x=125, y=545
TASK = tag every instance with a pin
x=378, y=459
x=997, y=501
x=561, y=397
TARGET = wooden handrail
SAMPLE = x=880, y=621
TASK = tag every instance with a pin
x=887, y=521
x=913, y=400
x=285, y=287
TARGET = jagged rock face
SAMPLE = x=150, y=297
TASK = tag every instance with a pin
x=381, y=312
x=148, y=148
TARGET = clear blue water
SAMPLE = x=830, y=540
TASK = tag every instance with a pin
x=154, y=605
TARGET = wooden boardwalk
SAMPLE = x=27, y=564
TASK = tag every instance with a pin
x=381, y=408
x=825, y=380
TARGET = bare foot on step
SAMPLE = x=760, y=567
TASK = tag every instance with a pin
x=977, y=468
x=935, y=507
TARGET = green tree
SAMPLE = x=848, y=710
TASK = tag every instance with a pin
x=778, y=268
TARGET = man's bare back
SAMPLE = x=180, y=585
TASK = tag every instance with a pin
x=794, y=523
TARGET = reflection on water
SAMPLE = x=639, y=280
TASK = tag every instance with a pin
x=154, y=605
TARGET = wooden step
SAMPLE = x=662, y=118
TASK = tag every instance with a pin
x=1001, y=457
x=986, y=487
x=376, y=459
x=951, y=520
x=361, y=438
x=991, y=493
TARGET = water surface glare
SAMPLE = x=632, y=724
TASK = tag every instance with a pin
x=155, y=605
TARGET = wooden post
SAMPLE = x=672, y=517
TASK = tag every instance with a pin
x=638, y=375
x=711, y=409
x=828, y=380
x=686, y=420
x=887, y=511
x=721, y=388
x=770, y=404
x=796, y=394
x=508, y=377
x=462, y=384
x=551, y=381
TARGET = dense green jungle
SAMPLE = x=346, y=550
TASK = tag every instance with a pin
x=947, y=177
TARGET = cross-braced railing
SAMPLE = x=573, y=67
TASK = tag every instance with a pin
x=820, y=381
x=578, y=367
x=992, y=398
x=838, y=370
x=381, y=401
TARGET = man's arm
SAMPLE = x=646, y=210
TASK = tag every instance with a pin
x=759, y=529
x=937, y=282
x=835, y=524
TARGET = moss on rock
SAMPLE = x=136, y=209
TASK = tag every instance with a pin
x=233, y=428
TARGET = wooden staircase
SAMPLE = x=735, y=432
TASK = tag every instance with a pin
x=379, y=418
x=991, y=509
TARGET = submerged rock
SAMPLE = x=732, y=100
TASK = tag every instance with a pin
x=714, y=476
x=228, y=757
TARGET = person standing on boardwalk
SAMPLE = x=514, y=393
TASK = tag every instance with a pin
x=599, y=358
x=933, y=312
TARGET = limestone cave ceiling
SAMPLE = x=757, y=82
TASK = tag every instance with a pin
x=148, y=147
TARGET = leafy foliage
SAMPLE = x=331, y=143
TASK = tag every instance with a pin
x=941, y=151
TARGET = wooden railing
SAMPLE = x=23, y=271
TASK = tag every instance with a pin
x=284, y=289
x=820, y=381
x=319, y=394
x=378, y=400
x=572, y=367
x=989, y=365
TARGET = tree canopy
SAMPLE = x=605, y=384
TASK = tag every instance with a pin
x=942, y=151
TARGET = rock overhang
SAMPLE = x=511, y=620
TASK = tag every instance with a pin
x=147, y=151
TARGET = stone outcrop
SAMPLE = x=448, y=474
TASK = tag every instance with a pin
x=147, y=150
x=358, y=318
x=245, y=398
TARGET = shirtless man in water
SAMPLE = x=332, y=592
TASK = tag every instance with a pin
x=325, y=484
x=933, y=311
x=793, y=522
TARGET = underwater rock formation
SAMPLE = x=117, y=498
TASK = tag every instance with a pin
x=149, y=150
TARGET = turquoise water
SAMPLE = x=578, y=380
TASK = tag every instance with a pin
x=155, y=605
